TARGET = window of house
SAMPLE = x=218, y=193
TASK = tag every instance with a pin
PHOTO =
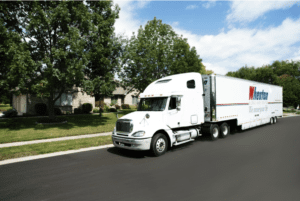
x=134, y=100
x=65, y=99
x=114, y=100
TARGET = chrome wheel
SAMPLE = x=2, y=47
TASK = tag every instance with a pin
x=225, y=130
x=160, y=145
x=215, y=132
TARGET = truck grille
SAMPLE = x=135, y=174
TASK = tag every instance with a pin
x=123, y=126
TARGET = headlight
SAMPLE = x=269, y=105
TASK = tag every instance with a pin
x=114, y=131
x=139, y=134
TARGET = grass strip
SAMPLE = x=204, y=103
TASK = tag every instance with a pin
x=50, y=147
x=25, y=129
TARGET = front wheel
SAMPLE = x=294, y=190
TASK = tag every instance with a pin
x=159, y=144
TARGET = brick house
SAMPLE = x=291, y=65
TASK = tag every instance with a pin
x=121, y=96
x=72, y=99
x=68, y=101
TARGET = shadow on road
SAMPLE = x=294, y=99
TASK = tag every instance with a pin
x=129, y=153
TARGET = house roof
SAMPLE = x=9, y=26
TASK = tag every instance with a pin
x=119, y=91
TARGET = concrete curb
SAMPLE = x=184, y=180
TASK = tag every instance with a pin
x=28, y=158
x=13, y=144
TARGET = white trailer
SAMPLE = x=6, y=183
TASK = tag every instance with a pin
x=176, y=109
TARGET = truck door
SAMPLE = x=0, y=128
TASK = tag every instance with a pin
x=174, y=112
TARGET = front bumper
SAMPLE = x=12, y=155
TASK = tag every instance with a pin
x=133, y=144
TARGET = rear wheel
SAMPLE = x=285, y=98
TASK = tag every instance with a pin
x=224, y=130
x=159, y=144
x=275, y=120
x=214, y=132
x=271, y=121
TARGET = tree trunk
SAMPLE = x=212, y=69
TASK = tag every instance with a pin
x=51, y=106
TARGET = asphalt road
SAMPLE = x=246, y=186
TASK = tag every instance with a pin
x=258, y=164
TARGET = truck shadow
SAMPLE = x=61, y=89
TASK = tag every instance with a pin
x=129, y=153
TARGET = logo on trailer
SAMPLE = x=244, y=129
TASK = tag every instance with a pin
x=257, y=95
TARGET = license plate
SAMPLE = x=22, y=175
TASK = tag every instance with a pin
x=121, y=144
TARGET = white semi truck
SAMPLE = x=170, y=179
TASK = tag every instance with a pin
x=176, y=109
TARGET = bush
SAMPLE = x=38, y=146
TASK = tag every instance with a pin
x=77, y=111
x=106, y=108
x=125, y=106
x=67, y=112
x=41, y=109
x=112, y=110
x=57, y=111
x=87, y=108
x=10, y=113
x=101, y=110
x=117, y=107
x=96, y=110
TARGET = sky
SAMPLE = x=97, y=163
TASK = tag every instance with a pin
x=226, y=34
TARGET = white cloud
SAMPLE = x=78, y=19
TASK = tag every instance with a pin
x=190, y=7
x=231, y=50
x=209, y=4
x=247, y=11
x=128, y=21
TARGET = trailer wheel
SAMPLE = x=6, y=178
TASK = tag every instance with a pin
x=271, y=121
x=214, y=132
x=224, y=130
x=275, y=120
x=159, y=144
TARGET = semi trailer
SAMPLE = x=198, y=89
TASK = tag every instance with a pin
x=178, y=108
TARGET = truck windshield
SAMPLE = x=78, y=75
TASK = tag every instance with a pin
x=152, y=104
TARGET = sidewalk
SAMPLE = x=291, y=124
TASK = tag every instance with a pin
x=13, y=144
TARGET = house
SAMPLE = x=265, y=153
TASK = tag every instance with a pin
x=121, y=96
x=72, y=99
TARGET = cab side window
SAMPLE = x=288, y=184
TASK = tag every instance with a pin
x=191, y=84
x=172, y=104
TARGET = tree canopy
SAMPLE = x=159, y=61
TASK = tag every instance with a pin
x=51, y=46
x=157, y=51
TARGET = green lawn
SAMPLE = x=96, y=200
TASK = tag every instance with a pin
x=50, y=147
x=25, y=129
x=5, y=107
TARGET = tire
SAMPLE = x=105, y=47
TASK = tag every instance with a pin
x=224, y=130
x=275, y=120
x=159, y=144
x=214, y=132
x=271, y=121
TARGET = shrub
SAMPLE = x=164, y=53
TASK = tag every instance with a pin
x=106, y=108
x=112, y=110
x=41, y=109
x=101, y=110
x=297, y=112
x=77, y=111
x=57, y=111
x=67, y=112
x=87, y=108
x=125, y=106
x=113, y=102
x=117, y=107
x=10, y=113
x=96, y=110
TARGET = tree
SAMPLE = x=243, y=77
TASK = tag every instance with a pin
x=156, y=52
x=70, y=43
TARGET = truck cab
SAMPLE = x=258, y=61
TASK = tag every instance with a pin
x=170, y=112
